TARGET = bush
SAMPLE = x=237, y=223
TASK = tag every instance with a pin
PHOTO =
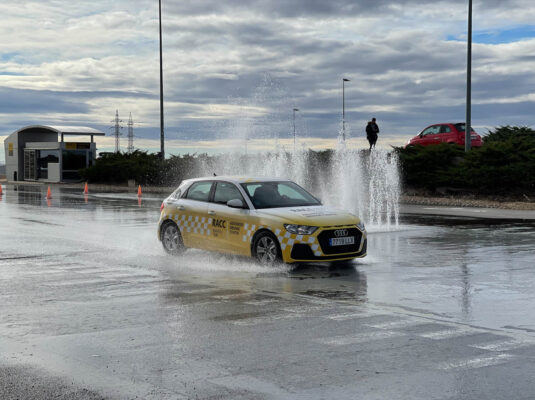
x=428, y=167
x=505, y=133
x=144, y=168
x=504, y=165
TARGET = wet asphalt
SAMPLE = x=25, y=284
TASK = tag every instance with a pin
x=443, y=307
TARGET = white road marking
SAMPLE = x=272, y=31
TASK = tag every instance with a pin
x=231, y=296
x=449, y=333
x=260, y=302
x=353, y=315
x=503, y=345
x=359, y=338
x=478, y=362
x=265, y=320
x=303, y=309
x=398, y=324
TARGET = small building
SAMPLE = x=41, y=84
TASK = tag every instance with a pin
x=39, y=153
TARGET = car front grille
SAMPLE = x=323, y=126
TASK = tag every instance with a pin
x=324, y=237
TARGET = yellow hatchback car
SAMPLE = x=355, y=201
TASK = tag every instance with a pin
x=270, y=219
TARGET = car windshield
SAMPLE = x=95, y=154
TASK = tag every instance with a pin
x=462, y=128
x=278, y=194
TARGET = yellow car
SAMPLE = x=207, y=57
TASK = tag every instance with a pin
x=270, y=219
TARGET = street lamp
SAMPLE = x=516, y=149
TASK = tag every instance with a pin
x=162, y=150
x=295, y=109
x=344, y=80
x=468, y=122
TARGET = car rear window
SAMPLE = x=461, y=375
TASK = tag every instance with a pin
x=462, y=127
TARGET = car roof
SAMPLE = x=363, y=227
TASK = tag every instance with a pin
x=447, y=123
x=239, y=179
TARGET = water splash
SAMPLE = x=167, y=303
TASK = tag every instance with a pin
x=365, y=183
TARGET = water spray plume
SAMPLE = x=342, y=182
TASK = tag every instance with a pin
x=364, y=183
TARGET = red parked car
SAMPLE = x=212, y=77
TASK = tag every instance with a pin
x=445, y=133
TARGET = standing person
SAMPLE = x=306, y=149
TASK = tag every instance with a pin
x=372, y=132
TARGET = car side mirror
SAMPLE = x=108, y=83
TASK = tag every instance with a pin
x=421, y=135
x=235, y=203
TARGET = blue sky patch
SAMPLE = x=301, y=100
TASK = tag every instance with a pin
x=499, y=36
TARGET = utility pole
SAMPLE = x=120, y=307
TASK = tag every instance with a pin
x=130, y=147
x=295, y=109
x=162, y=149
x=468, y=122
x=344, y=80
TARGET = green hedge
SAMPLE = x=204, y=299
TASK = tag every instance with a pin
x=120, y=167
x=505, y=164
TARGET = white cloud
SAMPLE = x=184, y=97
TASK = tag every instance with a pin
x=71, y=62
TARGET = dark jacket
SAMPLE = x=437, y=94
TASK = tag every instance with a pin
x=372, y=129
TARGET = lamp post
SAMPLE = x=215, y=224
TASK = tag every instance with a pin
x=162, y=149
x=295, y=109
x=344, y=80
x=468, y=122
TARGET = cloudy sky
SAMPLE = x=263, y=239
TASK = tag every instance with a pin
x=236, y=69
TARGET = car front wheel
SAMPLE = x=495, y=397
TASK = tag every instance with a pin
x=172, y=239
x=266, y=249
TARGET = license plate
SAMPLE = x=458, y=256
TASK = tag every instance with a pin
x=342, y=241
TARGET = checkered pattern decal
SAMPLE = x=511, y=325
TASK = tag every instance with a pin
x=202, y=225
x=286, y=240
x=189, y=223
x=289, y=239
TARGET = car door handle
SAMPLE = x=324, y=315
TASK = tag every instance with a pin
x=211, y=212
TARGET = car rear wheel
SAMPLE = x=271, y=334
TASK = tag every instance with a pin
x=266, y=249
x=172, y=239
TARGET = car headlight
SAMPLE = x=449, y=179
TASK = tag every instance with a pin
x=361, y=226
x=300, y=229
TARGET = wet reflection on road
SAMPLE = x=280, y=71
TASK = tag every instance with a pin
x=86, y=288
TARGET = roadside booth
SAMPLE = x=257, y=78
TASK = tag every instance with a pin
x=40, y=153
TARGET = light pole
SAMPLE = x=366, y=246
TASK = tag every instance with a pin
x=162, y=148
x=468, y=122
x=344, y=80
x=295, y=109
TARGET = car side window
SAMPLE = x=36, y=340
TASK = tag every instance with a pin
x=431, y=130
x=199, y=191
x=445, y=129
x=225, y=191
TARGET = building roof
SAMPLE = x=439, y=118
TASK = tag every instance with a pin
x=65, y=130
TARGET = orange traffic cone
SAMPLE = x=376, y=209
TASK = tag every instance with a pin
x=139, y=191
x=49, y=193
x=86, y=191
x=1, y=190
